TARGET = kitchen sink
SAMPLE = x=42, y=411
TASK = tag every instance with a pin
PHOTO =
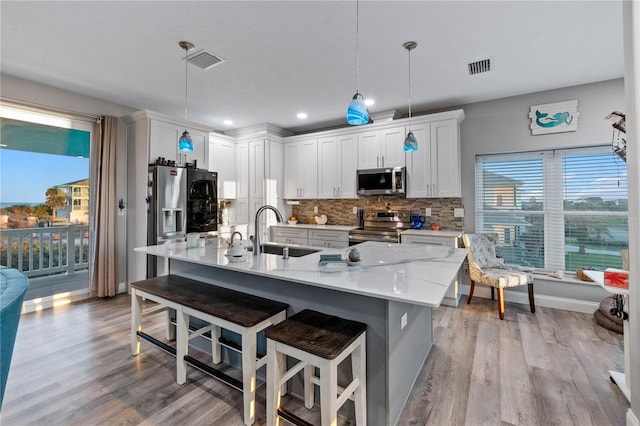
x=293, y=251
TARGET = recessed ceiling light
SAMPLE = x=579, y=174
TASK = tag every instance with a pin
x=228, y=122
x=369, y=102
x=302, y=115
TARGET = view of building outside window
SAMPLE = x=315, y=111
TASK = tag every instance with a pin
x=44, y=198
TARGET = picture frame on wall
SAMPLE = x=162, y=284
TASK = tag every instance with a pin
x=554, y=118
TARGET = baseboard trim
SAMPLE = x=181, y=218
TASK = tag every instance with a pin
x=632, y=420
x=554, y=302
x=61, y=299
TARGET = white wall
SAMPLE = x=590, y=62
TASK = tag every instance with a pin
x=17, y=89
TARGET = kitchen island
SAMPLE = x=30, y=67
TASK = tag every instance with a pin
x=392, y=290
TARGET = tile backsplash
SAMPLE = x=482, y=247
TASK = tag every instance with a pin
x=340, y=212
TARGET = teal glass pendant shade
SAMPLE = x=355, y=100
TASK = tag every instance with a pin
x=410, y=143
x=185, y=144
x=357, y=113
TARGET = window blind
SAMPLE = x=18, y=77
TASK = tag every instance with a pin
x=555, y=210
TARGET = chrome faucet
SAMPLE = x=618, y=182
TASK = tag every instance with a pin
x=257, y=248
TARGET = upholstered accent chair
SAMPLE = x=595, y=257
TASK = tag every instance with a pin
x=486, y=268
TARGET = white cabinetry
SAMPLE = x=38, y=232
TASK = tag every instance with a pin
x=328, y=238
x=381, y=148
x=163, y=142
x=324, y=238
x=222, y=159
x=446, y=239
x=301, y=170
x=337, y=165
x=286, y=235
x=259, y=175
x=151, y=135
x=434, y=170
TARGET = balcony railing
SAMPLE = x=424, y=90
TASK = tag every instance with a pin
x=45, y=251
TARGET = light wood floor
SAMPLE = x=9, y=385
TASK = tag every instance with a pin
x=72, y=366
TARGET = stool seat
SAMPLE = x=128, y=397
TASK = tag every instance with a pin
x=316, y=333
x=245, y=310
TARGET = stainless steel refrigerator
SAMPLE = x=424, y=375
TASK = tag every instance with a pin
x=166, y=211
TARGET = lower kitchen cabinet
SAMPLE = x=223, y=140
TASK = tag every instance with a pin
x=312, y=237
x=439, y=238
x=328, y=238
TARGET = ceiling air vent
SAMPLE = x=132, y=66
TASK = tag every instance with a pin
x=205, y=60
x=477, y=67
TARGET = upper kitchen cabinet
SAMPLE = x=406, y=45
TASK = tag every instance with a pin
x=301, y=169
x=434, y=170
x=163, y=142
x=381, y=148
x=337, y=165
x=222, y=159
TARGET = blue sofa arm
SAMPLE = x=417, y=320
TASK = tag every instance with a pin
x=13, y=286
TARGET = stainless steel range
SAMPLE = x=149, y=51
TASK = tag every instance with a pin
x=380, y=225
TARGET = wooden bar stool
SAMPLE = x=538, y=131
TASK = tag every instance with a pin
x=323, y=341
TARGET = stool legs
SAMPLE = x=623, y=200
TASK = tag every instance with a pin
x=309, y=388
x=275, y=370
x=249, y=375
x=136, y=319
x=358, y=365
x=328, y=395
x=182, y=345
x=215, y=344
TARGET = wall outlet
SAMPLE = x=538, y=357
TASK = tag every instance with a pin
x=427, y=211
x=458, y=212
x=355, y=210
x=315, y=209
x=403, y=321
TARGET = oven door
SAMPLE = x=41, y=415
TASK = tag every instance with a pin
x=358, y=236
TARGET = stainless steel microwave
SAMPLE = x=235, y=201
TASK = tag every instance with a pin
x=382, y=181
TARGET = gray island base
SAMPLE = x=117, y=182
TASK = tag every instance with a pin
x=393, y=291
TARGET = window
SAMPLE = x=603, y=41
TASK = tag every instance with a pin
x=556, y=210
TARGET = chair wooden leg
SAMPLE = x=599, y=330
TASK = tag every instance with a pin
x=500, y=302
x=493, y=293
x=532, y=304
x=473, y=284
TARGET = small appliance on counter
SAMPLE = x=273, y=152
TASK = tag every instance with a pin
x=202, y=199
x=417, y=221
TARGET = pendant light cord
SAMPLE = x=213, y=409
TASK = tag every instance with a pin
x=186, y=81
x=409, y=89
x=357, y=47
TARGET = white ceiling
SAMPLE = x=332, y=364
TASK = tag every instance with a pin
x=283, y=57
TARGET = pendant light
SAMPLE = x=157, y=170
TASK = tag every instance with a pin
x=185, y=144
x=410, y=142
x=357, y=113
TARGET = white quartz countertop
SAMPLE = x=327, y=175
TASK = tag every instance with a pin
x=315, y=226
x=432, y=233
x=413, y=274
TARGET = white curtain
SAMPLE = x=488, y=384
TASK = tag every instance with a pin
x=104, y=260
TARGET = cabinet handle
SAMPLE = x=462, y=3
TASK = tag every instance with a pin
x=383, y=161
x=338, y=192
x=377, y=161
x=435, y=190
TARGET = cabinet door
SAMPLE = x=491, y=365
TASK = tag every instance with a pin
x=242, y=211
x=392, y=147
x=242, y=170
x=292, y=168
x=222, y=159
x=445, y=163
x=163, y=140
x=200, y=153
x=309, y=162
x=348, y=146
x=328, y=167
x=256, y=169
x=419, y=163
x=369, y=150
